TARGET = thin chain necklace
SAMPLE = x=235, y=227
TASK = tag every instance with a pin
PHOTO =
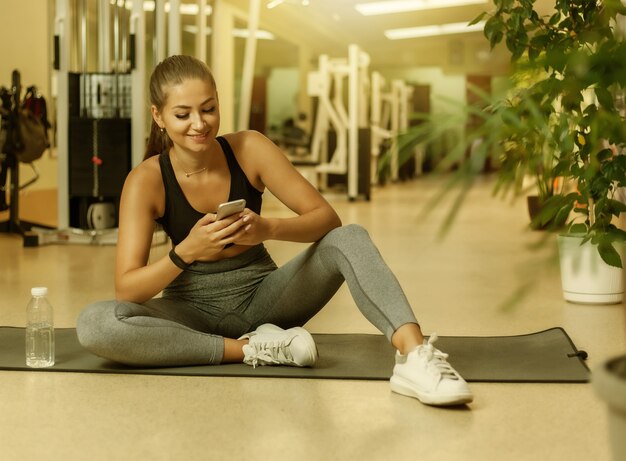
x=191, y=173
x=194, y=172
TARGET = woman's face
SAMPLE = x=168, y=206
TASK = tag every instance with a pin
x=191, y=114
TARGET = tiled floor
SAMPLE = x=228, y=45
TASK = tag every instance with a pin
x=458, y=286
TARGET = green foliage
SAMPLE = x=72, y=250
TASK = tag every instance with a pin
x=569, y=121
x=584, y=60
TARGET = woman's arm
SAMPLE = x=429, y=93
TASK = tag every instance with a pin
x=270, y=168
x=135, y=280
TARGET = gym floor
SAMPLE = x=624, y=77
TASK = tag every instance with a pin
x=457, y=286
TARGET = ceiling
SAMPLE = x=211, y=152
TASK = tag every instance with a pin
x=329, y=26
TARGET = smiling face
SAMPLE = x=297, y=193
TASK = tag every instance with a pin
x=190, y=114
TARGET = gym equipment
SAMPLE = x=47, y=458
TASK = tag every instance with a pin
x=403, y=97
x=380, y=121
x=99, y=156
x=389, y=117
x=547, y=356
x=348, y=125
x=97, y=144
x=94, y=129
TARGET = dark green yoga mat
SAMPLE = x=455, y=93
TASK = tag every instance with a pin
x=545, y=356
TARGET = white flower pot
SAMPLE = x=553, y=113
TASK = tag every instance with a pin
x=585, y=277
x=609, y=382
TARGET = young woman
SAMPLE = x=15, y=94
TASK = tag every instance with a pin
x=223, y=298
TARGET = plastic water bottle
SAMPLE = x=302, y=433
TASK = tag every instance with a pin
x=39, y=330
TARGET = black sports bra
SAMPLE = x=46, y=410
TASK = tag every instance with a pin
x=179, y=216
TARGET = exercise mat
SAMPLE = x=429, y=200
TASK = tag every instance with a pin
x=545, y=356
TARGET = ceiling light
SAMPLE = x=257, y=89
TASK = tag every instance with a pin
x=431, y=31
x=239, y=33
x=401, y=6
x=260, y=34
x=274, y=3
x=189, y=9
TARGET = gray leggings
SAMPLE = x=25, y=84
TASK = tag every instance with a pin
x=228, y=298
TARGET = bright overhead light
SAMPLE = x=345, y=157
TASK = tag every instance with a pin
x=189, y=9
x=260, y=34
x=239, y=33
x=274, y=3
x=401, y=6
x=431, y=31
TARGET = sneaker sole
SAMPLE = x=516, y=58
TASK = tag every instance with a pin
x=404, y=387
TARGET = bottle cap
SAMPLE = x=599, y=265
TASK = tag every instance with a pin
x=39, y=291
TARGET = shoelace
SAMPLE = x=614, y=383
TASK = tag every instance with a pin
x=437, y=358
x=268, y=352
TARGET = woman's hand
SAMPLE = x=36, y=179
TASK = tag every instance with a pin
x=255, y=229
x=208, y=237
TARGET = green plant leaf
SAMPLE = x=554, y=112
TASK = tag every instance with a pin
x=616, y=207
x=609, y=254
x=617, y=235
x=478, y=18
x=493, y=30
x=605, y=98
x=578, y=228
x=554, y=19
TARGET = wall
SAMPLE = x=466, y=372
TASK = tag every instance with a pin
x=24, y=35
x=447, y=94
x=447, y=91
x=283, y=86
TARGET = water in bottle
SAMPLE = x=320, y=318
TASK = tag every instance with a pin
x=39, y=330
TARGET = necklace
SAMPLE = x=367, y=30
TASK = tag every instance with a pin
x=191, y=173
x=194, y=172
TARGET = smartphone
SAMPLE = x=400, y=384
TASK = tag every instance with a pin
x=230, y=208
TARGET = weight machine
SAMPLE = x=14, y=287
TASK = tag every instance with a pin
x=340, y=130
x=380, y=120
x=97, y=144
x=389, y=117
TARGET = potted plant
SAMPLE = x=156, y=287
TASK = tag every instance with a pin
x=570, y=122
x=581, y=47
x=530, y=148
x=583, y=54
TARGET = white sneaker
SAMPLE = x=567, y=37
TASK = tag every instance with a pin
x=425, y=374
x=271, y=345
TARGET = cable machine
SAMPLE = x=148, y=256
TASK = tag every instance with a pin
x=389, y=117
x=97, y=143
x=380, y=119
x=342, y=130
x=402, y=94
